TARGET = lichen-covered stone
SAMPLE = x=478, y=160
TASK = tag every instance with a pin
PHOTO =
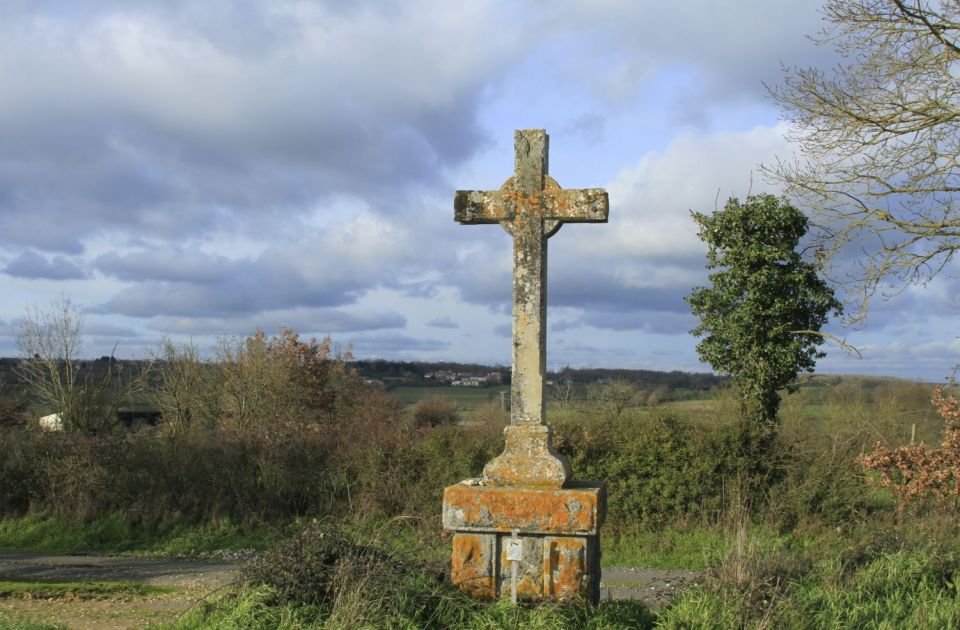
x=578, y=510
x=559, y=530
x=531, y=206
x=528, y=460
x=474, y=564
x=527, y=491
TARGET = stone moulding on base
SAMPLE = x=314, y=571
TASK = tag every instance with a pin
x=559, y=529
x=529, y=460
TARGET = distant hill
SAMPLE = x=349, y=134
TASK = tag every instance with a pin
x=415, y=373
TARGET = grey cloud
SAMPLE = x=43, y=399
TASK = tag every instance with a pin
x=240, y=295
x=932, y=360
x=171, y=122
x=651, y=321
x=106, y=329
x=319, y=321
x=660, y=322
x=175, y=265
x=386, y=345
x=503, y=330
x=325, y=268
x=443, y=322
x=600, y=291
x=574, y=284
x=30, y=264
x=577, y=348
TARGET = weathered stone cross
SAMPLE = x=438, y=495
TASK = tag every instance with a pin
x=531, y=207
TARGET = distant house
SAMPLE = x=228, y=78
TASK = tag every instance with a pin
x=470, y=381
x=443, y=376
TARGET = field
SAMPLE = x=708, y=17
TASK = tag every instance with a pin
x=465, y=398
x=340, y=492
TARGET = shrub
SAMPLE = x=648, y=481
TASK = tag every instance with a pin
x=658, y=468
x=12, y=413
x=359, y=584
x=916, y=472
x=435, y=411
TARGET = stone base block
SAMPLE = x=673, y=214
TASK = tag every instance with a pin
x=554, y=534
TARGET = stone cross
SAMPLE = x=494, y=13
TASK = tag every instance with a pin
x=531, y=207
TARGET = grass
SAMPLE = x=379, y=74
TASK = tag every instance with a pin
x=116, y=534
x=41, y=589
x=252, y=608
x=672, y=548
x=12, y=622
x=908, y=588
x=466, y=398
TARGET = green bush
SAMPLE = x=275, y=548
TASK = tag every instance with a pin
x=658, y=467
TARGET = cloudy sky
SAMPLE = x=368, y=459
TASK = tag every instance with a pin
x=201, y=169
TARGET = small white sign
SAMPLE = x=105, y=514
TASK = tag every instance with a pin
x=514, y=549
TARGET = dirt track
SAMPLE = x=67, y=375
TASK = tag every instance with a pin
x=195, y=579
x=159, y=571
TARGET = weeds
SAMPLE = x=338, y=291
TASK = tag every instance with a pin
x=77, y=590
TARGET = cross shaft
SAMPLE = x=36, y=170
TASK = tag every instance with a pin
x=531, y=207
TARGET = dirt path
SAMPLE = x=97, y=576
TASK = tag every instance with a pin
x=159, y=571
x=653, y=587
x=195, y=579
x=192, y=581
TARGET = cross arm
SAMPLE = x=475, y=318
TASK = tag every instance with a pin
x=576, y=205
x=584, y=205
x=483, y=206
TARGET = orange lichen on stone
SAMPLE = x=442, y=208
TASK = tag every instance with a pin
x=473, y=568
x=570, y=511
x=564, y=567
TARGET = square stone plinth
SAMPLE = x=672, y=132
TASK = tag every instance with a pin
x=558, y=532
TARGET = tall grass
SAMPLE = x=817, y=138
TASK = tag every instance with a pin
x=915, y=588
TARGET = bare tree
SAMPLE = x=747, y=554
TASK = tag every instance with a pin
x=188, y=386
x=879, y=139
x=87, y=394
x=612, y=397
x=563, y=391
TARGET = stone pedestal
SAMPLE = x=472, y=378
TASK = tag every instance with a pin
x=558, y=529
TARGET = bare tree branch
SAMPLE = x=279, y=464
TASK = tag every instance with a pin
x=878, y=139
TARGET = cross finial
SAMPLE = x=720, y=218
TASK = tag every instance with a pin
x=531, y=159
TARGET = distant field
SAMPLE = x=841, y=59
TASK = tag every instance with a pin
x=464, y=397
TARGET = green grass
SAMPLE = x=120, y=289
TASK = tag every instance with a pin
x=688, y=549
x=11, y=622
x=251, y=608
x=115, y=534
x=465, y=398
x=915, y=588
x=10, y=587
